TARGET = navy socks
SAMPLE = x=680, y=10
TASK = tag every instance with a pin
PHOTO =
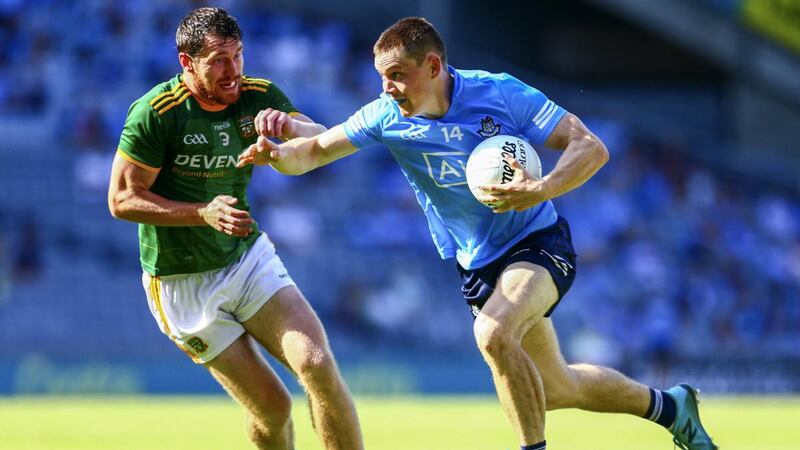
x=662, y=408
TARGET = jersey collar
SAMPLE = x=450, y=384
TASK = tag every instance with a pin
x=455, y=96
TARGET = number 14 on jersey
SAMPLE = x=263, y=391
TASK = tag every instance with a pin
x=452, y=133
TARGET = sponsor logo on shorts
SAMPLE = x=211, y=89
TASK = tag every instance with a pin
x=197, y=344
x=523, y=250
x=283, y=275
x=474, y=310
x=559, y=262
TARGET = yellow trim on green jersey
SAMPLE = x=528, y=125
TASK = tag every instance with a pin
x=175, y=103
x=254, y=88
x=171, y=93
x=165, y=100
x=256, y=81
x=136, y=163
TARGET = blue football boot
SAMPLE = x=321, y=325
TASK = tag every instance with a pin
x=687, y=429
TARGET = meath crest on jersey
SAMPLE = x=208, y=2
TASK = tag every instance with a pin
x=489, y=128
x=247, y=126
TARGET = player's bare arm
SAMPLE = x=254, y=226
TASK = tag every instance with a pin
x=130, y=198
x=275, y=123
x=299, y=155
x=583, y=155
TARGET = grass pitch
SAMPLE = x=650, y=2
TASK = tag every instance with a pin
x=388, y=423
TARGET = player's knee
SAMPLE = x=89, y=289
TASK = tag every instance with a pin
x=309, y=359
x=493, y=340
x=273, y=413
x=270, y=432
x=315, y=366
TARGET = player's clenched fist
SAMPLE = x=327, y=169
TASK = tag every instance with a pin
x=222, y=215
x=273, y=123
x=262, y=152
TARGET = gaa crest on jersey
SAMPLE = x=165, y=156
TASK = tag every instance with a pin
x=489, y=128
x=247, y=126
x=197, y=344
x=414, y=132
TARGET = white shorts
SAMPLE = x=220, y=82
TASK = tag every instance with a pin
x=203, y=312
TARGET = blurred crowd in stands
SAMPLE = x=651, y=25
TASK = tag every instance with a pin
x=676, y=258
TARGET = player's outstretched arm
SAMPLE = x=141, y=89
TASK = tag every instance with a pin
x=299, y=155
x=275, y=123
x=130, y=198
x=305, y=127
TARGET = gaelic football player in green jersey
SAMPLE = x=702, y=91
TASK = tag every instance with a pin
x=213, y=281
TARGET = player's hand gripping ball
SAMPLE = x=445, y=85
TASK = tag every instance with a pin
x=487, y=163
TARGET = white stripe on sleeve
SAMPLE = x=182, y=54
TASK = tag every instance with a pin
x=541, y=112
x=546, y=119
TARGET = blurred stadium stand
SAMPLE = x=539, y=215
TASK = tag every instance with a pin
x=757, y=44
x=689, y=240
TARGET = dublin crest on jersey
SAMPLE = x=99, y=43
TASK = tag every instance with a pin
x=489, y=128
x=247, y=126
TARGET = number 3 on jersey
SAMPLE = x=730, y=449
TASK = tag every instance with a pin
x=454, y=133
x=226, y=138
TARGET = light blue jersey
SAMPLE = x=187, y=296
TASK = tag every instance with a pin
x=433, y=153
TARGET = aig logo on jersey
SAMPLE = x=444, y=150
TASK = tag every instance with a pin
x=195, y=139
x=447, y=169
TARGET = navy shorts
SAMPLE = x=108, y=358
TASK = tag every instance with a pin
x=549, y=247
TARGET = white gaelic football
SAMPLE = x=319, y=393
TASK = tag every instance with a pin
x=487, y=165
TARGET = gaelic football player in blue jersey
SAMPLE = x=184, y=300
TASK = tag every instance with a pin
x=517, y=261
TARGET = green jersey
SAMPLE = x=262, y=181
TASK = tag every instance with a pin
x=194, y=152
